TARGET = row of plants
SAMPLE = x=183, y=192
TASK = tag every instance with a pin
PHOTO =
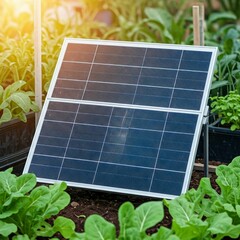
x=202, y=213
x=150, y=21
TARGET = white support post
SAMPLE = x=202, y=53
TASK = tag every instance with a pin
x=37, y=56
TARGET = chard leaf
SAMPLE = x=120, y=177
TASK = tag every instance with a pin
x=229, y=207
x=7, y=228
x=164, y=234
x=148, y=214
x=7, y=181
x=59, y=199
x=97, y=228
x=206, y=188
x=21, y=237
x=65, y=226
x=238, y=210
x=26, y=183
x=181, y=210
x=126, y=220
x=221, y=224
x=184, y=232
x=40, y=197
x=9, y=210
x=227, y=181
x=235, y=166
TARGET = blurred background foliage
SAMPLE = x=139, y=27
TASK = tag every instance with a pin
x=129, y=20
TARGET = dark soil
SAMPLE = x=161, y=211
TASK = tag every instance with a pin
x=85, y=203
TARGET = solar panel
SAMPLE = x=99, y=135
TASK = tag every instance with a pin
x=123, y=117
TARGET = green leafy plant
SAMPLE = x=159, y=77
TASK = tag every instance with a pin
x=224, y=5
x=15, y=103
x=146, y=21
x=133, y=223
x=25, y=208
x=227, y=75
x=227, y=109
x=201, y=213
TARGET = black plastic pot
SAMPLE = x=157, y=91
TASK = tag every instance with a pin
x=224, y=144
x=15, y=140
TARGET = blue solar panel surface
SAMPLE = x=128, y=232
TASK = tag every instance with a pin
x=122, y=118
x=152, y=77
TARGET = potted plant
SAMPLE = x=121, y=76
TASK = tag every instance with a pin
x=224, y=134
x=15, y=134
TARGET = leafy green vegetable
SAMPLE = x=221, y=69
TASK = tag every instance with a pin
x=24, y=208
x=199, y=214
x=227, y=109
x=15, y=103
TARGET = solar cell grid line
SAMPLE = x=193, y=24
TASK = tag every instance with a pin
x=123, y=117
x=107, y=91
x=136, y=123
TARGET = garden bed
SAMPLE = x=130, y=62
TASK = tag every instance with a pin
x=86, y=202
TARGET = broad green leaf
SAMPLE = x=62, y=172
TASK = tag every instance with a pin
x=13, y=88
x=229, y=207
x=206, y=188
x=219, y=84
x=65, y=226
x=164, y=233
x=7, y=228
x=40, y=197
x=159, y=15
x=126, y=219
x=14, y=206
x=7, y=181
x=21, y=237
x=26, y=182
x=181, y=210
x=186, y=232
x=59, y=199
x=238, y=210
x=97, y=228
x=221, y=224
x=227, y=180
x=78, y=236
x=6, y=116
x=235, y=163
x=149, y=214
x=21, y=100
x=220, y=16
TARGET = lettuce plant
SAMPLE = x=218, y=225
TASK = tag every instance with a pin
x=15, y=103
x=227, y=109
x=24, y=208
x=198, y=214
x=201, y=213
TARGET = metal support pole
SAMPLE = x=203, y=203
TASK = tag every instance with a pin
x=206, y=142
x=37, y=56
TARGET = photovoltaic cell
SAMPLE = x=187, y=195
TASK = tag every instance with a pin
x=123, y=117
